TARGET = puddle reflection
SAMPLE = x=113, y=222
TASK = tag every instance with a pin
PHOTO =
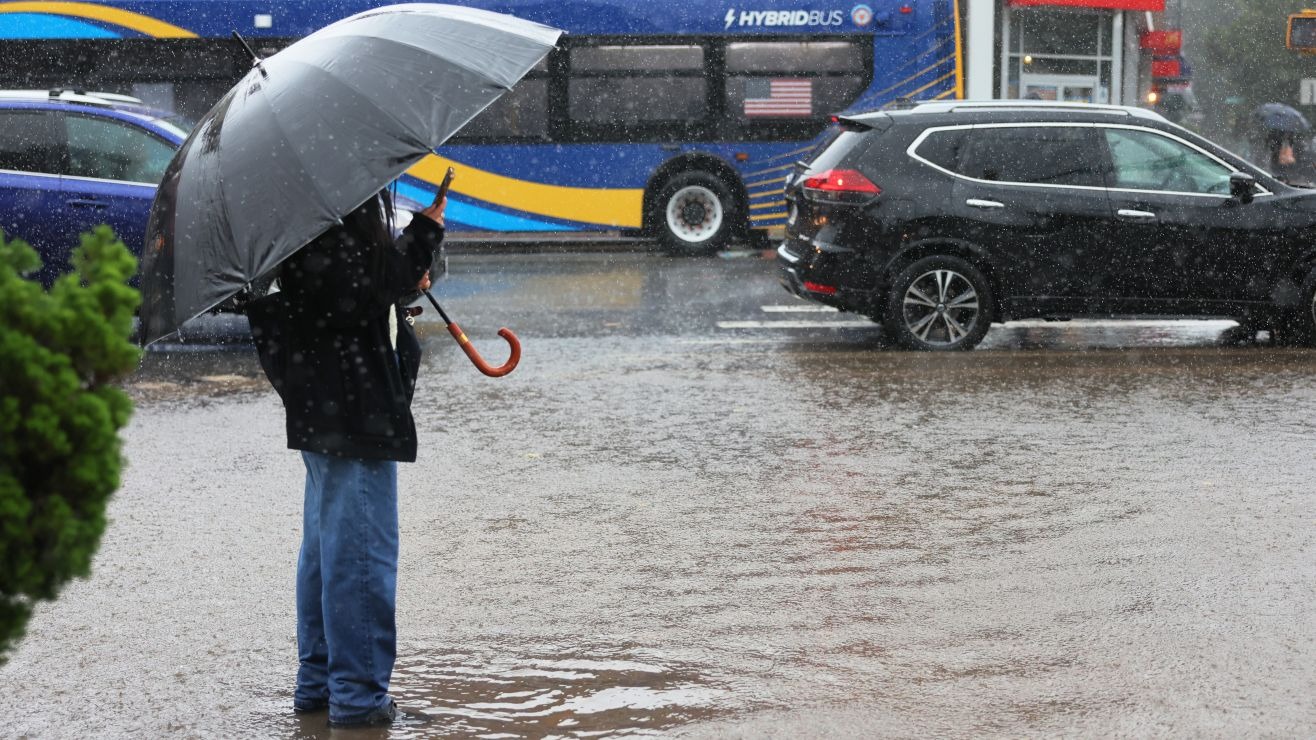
x=554, y=696
x=547, y=696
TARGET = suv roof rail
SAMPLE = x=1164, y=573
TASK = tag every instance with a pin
x=951, y=106
x=72, y=96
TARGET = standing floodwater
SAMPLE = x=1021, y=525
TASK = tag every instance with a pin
x=696, y=509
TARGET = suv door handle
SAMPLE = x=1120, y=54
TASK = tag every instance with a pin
x=980, y=203
x=86, y=203
x=1129, y=214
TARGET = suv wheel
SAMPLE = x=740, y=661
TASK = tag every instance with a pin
x=696, y=213
x=939, y=304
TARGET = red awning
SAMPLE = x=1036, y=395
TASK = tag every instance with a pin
x=1156, y=5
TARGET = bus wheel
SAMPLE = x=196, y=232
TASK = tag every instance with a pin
x=696, y=213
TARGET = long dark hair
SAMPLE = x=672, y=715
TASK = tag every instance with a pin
x=373, y=221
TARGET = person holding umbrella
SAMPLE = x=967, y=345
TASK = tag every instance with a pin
x=283, y=176
x=1284, y=132
x=337, y=346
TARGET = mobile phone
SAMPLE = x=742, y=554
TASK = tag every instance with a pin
x=443, y=186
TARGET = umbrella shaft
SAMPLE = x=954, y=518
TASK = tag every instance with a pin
x=442, y=315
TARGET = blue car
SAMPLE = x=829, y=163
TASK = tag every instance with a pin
x=70, y=161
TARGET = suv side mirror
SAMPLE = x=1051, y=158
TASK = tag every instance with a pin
x=1242, y=186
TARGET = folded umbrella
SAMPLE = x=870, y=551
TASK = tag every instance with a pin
x=311, y=133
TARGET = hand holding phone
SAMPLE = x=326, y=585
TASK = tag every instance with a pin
x=434, y=211
x=443, y=186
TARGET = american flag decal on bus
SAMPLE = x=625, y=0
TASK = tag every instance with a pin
x=779, y=98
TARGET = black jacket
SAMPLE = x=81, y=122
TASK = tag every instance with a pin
x=323, y=339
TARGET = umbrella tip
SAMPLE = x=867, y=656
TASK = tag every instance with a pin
x=255, y=58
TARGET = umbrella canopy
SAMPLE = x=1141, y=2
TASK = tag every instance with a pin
x=313, y=132
x=1281, y=118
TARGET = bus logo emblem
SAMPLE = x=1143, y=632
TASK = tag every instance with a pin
x=862, y=15
x=797, y=18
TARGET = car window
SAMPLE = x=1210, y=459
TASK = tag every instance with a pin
x=838, y=148
x=1044, y=155
x=1145, y=160
x=111, y=150
x=943, y=148
x=29, y=141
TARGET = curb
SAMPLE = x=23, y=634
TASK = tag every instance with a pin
x=464, y=244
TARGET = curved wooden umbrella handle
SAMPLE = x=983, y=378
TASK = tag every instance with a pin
x=478, y=361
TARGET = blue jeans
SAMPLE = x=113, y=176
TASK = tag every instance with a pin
x=347, y=585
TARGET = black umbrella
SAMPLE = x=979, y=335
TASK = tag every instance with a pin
x=1281, y=118
x=311, y=133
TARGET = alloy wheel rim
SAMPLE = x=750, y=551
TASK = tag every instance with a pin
x=941, y=307
x=694, y=213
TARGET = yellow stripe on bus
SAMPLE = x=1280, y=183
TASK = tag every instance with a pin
x=937, y=81
x=602, y=206
x=143, y=24
x=773, y=175
x=959, y=52
x=919, y=73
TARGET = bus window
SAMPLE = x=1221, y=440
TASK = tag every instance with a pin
x=629, y=58
x=521, y=113
x=795, y=56
x=799, y=81
x=630, y=99
x=616, y=85
x=752, y=98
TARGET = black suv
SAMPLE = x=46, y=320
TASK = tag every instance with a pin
x=941, y=218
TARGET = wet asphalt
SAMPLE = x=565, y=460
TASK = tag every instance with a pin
x=703, y=508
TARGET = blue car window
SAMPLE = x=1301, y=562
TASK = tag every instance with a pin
x=29, y=141
x=112, y=150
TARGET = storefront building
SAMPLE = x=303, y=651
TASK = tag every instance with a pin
x=1090, y=51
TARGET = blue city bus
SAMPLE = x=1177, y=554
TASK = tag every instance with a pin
x=676, y=119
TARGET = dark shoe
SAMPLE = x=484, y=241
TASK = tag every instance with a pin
x=380, y=717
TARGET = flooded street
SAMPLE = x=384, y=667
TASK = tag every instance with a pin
x=702, y=508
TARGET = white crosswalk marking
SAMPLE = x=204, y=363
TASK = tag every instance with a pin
x=798, y=308
x=842, y=324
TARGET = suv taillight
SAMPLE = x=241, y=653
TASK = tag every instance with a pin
x=840, y=186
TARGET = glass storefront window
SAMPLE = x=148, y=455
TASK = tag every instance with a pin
x=1057, y=32
x=1059, y=54
x=1045, y=66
